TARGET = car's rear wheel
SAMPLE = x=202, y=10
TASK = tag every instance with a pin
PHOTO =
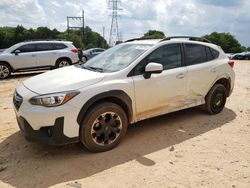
x=62, y=63
x=103, y=127
x=5, y=71
x=216, y=99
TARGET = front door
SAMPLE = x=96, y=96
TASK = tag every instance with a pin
x=26, y=58
x=164, y=92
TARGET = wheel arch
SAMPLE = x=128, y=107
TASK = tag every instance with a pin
x=225, y=81
x=5, y=62
x=118, y=97
x=64, y=57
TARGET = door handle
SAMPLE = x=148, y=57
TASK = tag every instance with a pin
x=180, y=76
x=33, y=55
x=213, y=70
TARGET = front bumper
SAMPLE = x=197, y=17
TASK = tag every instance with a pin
x=52, y=135
x=37, y=123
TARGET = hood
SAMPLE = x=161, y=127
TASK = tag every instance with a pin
x=63, y=79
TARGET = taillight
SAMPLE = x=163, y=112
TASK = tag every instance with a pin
x=74, y=50
x=231, y=63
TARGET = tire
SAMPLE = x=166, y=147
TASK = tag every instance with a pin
x=216, y=99
x=5, y=71
x=84, y=59
x=63, y=63
x=97, y=133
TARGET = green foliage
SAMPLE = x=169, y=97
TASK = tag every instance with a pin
x=227, y=42
x=154, y=34
x=12, y=35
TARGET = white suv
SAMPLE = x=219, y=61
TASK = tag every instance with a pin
x=37, y=55
x=93, y=103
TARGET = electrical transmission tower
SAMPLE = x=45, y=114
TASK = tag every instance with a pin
x=114, y=36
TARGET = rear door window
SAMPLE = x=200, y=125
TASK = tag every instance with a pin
x=44, y=46
x=195, y=54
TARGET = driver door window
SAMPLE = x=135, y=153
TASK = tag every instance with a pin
x=169, y=56
x=27, y=48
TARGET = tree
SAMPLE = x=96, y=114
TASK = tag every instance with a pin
x=12, y=35
x=227, y=42
x=154, y=34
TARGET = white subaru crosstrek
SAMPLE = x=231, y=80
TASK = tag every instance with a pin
x=93, y=103
x=37, y=55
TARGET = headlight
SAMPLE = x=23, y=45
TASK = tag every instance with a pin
x=54, y=99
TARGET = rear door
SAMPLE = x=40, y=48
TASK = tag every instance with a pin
x=162, y=92
x=46, y=54
x=201, y=66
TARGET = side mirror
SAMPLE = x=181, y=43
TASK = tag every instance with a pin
x=152, y=68
x=16, y=52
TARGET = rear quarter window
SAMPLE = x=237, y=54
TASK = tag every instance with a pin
x=59, y=46
x=215, y=53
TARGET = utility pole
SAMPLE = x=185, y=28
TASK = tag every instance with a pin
x=103, y=36
x=114, y=28
x=79, y=18
x=103, y=32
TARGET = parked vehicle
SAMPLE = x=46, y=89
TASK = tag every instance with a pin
x=88, y=54
x=230, y=55
x=127, y=83
x=242, y=56
x=37, y=55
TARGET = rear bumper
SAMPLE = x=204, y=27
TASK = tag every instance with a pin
x=52, y=135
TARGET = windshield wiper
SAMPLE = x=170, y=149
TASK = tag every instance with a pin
x=93, y=68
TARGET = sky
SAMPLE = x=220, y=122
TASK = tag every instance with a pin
x=173, y=17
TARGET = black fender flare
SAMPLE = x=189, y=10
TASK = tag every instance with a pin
x=117, y=96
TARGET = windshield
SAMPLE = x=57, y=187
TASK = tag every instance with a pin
x=116, y=58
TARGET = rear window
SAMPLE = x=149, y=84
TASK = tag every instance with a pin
x=195, y=54
x=59, y=46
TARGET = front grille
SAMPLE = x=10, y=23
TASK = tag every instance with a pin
x=17, y=100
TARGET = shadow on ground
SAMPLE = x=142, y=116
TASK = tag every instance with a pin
x=34, y=165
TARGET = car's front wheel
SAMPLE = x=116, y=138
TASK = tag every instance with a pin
x=5, y=71
x=216, y=99
x=103, y=127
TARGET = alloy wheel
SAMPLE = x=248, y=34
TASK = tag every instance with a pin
x=4, y=71
x=106, y=128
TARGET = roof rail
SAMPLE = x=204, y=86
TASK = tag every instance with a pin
x=202, y=39
x=45, y=40
x=130, y=40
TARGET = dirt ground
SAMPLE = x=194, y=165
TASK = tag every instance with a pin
x=183, y=149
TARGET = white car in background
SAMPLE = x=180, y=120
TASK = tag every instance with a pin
x=130, y=82
x=37, y=55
